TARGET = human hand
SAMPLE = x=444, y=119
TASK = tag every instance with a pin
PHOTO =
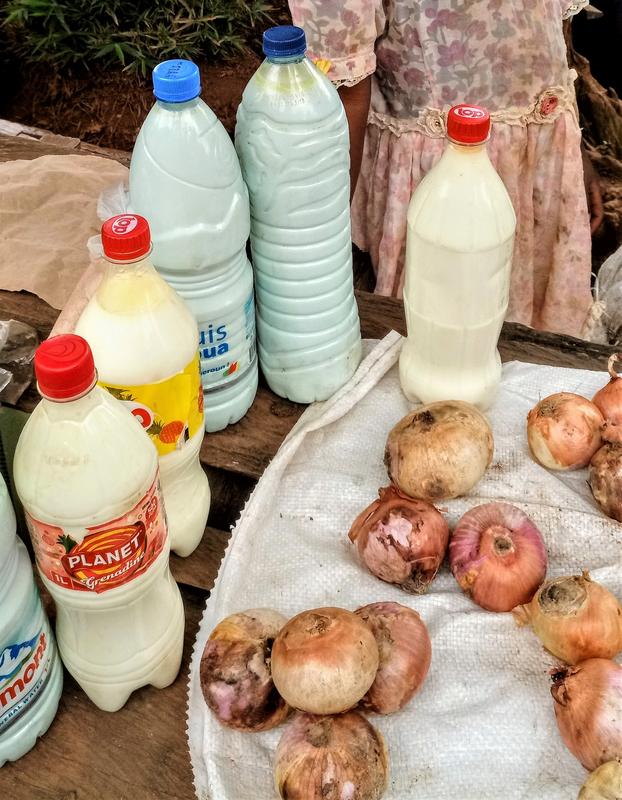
x=593, y=192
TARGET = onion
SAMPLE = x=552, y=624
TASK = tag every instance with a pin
x=324, y=661
x=331, y=758
x=564, y=431
x=588, y=708
x=439, y=451
x=235, y=671
x=605, y=783
x=401, y=540
x=605, y=479
x=497, y=556
x=405, y=654
x=609, y=401
x=575, y=618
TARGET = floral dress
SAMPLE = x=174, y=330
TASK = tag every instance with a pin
x=506, y=55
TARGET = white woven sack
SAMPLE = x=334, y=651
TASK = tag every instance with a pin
x=482, y=727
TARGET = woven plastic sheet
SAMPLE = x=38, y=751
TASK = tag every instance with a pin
x=483, y=726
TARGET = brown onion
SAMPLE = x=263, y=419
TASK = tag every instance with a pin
x=324, y=661
x=564, y=431
x=605, y=479
x=235, y=671
x=401, y=540
x=497, y=556
x=605, y=783
x=405, y=654
x=588, y=708
x=575, y=618
x=609, y=401
x=439, y=451
x=331, y=758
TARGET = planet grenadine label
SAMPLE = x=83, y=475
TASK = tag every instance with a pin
x=105, y=556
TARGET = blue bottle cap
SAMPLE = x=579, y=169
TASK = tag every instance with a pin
x=284, y=41
x=176, y=81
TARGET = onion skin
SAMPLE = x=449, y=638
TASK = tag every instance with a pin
x=609, y=401
x=439, y=451
x=605, y=479
x=588, y=709
x=324, y=661
x=575, y=618
x=401, y=540
x=564, y=431
x=331, y=758
x=605, y=783
x=235, y=671
x=405, y=654
x=497, y=556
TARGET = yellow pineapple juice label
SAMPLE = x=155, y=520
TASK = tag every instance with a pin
x=171, y=411
x=105, y=556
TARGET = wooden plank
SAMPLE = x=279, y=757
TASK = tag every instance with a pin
x=13, y=148
x=137, y=753
x=200, y=569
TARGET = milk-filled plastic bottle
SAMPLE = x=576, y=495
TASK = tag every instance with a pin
x=144, y=341
x=292, y=139
x=459, y=246
x=88, y=478
x=31, y=675
x=185, y=179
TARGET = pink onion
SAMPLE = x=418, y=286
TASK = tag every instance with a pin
x=235, y=671
x=609, y=401
x=497, y=556
x=401, y=540
x=564, y=431
x=605, y=479
x=331, y=758
x=588, y=708
x=405, y=654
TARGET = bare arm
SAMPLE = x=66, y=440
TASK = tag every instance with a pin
x=356, y=103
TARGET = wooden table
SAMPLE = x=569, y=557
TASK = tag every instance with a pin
x=140, y=752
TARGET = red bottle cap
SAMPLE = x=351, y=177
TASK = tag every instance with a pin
x=126, y=237
x=468, y=124
x=64, y=367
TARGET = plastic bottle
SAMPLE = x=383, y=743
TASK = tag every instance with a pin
x=88, y=479
x=459, y=247
x=144, y=341
x=185, y=179
x=292, y=139
x=31, y=675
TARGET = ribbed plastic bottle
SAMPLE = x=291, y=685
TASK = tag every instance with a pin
x=88, y=479
x=31, y=675
x=293, y=143
x=459, y=245
x=144, y=340
x=185, y=179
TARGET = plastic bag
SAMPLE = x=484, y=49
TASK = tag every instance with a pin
x=604, y=321
x=18, y=343
x=112, y=201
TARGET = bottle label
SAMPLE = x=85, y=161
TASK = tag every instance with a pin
x=25, y=665
x=227, y=347
x=104, y=556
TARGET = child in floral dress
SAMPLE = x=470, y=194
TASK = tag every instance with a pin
x=400, y=65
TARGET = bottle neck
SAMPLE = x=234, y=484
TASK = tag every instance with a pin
x=297, y=59
x=466, y=149
x=73, y=407
x=131, y=286
x=169, y=106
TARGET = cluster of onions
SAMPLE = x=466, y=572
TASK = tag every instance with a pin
x=439, y=451
x=575, y=618
x=324, y=663
x=567, y=431
x=401, y=540
x=497, y=556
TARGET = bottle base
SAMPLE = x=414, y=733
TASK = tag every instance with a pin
x=227, y=405
x=111, y=695
x=22, y=735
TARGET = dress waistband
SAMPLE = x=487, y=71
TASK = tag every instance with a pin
x=546, y=108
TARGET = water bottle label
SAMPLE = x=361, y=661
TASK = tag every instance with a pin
x=227, y=347
x=104, y=556
x=171, y=411
x=25, y=665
